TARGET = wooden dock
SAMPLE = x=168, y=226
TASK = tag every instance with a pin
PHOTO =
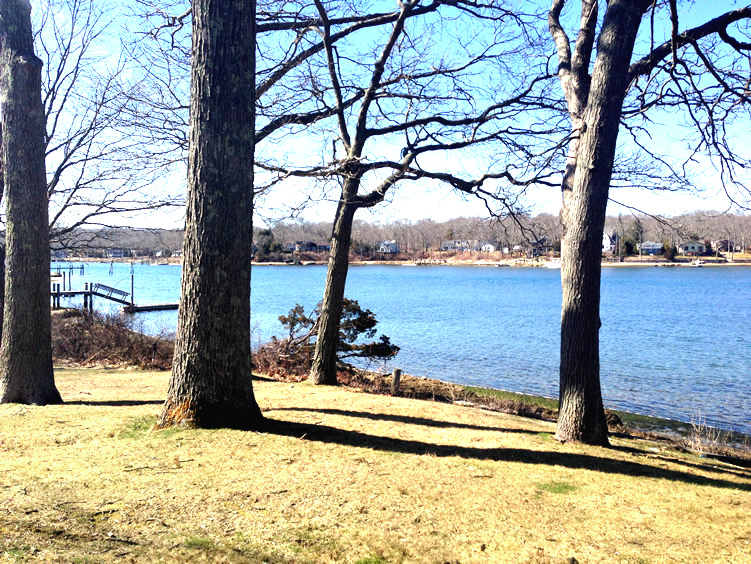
x=149, y=307
x=108, y=293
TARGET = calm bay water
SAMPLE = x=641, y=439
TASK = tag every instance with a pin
x=675, y=342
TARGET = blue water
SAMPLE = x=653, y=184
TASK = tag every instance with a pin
x=675, y=342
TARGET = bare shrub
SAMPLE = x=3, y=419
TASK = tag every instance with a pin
x=96, y=339
x=278, y=359
x=705, y=438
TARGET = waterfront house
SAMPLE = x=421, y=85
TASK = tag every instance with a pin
x=460, y=245
x=692, y=248
x=650, y=248
x=306, y=246
x=610, y=243
x=488, y=247
x=388, y=247
x=542, y=247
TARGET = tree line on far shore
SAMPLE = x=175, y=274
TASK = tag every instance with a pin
x=422, y=236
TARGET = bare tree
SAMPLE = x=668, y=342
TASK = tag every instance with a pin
x=211, y=376
x=291, y=91
x=413, y=105
x=26, y=374
x=595, y=94
x=90, y=156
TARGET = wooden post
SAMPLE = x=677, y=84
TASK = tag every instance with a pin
x=396, y=377
x=86, y=297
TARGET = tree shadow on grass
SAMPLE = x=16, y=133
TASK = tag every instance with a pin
x=406, y=419
x=706, y=467
x=115, y=403
x=332, y=435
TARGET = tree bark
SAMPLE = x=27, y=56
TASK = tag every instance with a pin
x=26, y=374
x=2, y=247
x=581, y=417
x=323, y=370
x=211, y=376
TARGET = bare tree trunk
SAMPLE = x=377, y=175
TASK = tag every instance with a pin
x=26, y=374
x=323, y=370
x=582, y=417
x=211, y=375
x=2, y=289
x=2, y=246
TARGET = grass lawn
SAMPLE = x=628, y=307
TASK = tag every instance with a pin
x=343, y=476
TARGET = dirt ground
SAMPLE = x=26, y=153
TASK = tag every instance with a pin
x=343, y=476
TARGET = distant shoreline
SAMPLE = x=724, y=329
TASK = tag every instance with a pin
x=449, y=261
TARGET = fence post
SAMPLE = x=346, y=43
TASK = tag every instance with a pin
x=396, y=377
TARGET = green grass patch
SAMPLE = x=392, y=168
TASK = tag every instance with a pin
x=556, y=487
x=547, y=403
x=199, y=542
x=649, y=423
x=311, y=540
x=15, y=554
x=136, y=427
x=140, y=427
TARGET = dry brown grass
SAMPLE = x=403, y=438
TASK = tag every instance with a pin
x=343, y=476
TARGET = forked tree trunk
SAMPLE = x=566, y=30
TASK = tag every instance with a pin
x=26, y=374
x=323, y=370
x=211, y=375
x=582, y=417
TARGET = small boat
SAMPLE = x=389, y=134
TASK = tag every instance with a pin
x=697, y=263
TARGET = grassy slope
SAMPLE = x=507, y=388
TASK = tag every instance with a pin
x=345, y=476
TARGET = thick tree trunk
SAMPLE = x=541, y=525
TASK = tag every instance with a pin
x=2, y=246
x=323, y=370
x=582, y=417
x=211, y=375
x=26, y=374
x=2, y=289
